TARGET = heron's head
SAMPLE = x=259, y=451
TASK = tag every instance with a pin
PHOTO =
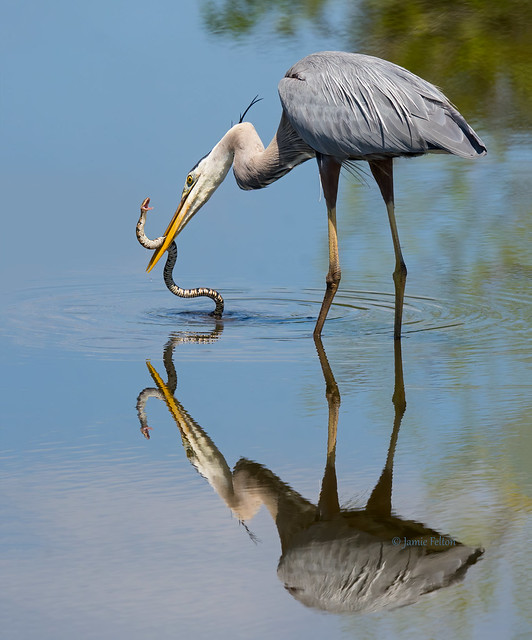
x=201, y=182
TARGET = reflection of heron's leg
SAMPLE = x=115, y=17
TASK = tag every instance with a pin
x=380, y=500
x=330, y=174
x=382, y=171
x=328, y=505
x=399, y=396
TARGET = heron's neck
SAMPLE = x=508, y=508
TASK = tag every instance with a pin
x=256, y=167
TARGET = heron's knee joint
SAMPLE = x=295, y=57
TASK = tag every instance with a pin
x=333, y=278
x=400, y=272
x=333, y=396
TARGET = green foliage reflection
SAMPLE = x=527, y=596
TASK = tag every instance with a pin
x=478, y=51
x=238, y=18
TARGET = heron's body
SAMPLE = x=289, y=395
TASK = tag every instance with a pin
x=339, y=108
x=357, y=107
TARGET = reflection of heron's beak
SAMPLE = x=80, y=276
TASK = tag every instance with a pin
x=168, y=397
x=173, y=229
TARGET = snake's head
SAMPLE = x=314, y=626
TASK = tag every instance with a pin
x=146, y=431
x=144, y=206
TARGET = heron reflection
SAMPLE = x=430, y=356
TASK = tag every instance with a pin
x=333, y=559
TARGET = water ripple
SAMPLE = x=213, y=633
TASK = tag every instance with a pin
x=110, y=319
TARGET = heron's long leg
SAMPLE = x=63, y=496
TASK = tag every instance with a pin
x=382, y=171
x=329, y=173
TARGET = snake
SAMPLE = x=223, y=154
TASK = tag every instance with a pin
x=170, y=264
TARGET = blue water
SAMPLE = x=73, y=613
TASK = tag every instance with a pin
x=106, y=533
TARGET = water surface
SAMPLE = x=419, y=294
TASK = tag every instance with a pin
x=195, y=530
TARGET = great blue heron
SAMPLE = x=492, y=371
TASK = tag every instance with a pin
x=339, y=108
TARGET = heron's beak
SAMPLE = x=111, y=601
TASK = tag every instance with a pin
x=175, y=226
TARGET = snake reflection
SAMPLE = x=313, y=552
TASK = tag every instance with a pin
x=171, y=384
x=333, y=559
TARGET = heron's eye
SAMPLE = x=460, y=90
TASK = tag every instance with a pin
x=190, y=180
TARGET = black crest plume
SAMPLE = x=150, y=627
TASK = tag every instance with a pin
x=254, y=101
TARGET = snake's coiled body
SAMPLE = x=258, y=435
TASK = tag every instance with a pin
x=170, y=264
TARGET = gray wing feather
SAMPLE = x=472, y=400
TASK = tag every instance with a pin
x=343, y=570
x=354, y=106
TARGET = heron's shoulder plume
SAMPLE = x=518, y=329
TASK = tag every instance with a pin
x=253, y=102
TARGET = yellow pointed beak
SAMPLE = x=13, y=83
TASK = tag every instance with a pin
x=172, y=230
x=168, y=397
